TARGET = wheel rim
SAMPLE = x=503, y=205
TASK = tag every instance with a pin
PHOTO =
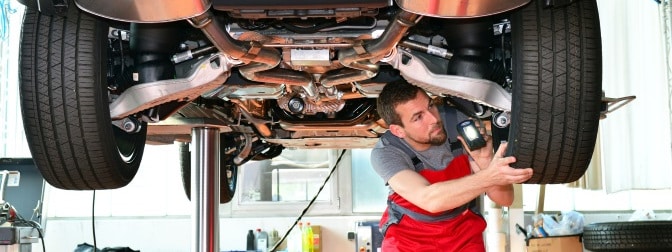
x=126, y=145
x=231, y=178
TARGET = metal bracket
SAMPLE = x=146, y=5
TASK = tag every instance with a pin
x=206, y=75
x=557, y=3
x=52, y=7
x=419, y=73
x=611, y=104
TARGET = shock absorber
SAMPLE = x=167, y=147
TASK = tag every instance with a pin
x=154, y=44
x=471, y=41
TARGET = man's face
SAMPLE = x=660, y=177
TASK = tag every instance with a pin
x=422, y=126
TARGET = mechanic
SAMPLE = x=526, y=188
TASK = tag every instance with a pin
x=435, y=185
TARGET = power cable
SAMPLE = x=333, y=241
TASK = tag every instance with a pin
x=93, y=220
x=20, y=221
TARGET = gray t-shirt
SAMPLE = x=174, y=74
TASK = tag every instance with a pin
x=388, y=160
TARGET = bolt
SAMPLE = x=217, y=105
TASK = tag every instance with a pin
x=129, y=126
x=502, y=120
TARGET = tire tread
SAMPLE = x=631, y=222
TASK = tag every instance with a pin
x=559, y=92
x=68, y=135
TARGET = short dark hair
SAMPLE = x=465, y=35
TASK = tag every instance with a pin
x=393, y=94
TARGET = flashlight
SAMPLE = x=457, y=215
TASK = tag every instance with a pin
x=469, y=132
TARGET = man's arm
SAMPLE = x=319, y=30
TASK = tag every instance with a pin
x=480, y=159
x=450, y=194
x=502, y=195
x=435, y=197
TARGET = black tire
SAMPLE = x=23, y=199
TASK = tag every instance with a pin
x=271, y=153
x=30, y=4
x=557, y=85
x=628, y=236
x=227, y=174
x=65, y=104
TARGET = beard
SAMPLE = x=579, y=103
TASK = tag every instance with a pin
x=432, y=138
x=439, y=138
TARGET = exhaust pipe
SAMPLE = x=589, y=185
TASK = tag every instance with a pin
x=363, y=57
x=357, y=57
x=261, y=63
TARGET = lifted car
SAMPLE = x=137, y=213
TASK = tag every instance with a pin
x=100, y=79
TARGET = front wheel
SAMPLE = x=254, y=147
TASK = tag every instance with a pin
x=65, y=106
x=557, y=85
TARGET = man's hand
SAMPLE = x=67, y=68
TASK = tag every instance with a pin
x=499, y=171
x=481, y=156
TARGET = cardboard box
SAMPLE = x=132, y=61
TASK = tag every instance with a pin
x=570, y=243
x=317, y=238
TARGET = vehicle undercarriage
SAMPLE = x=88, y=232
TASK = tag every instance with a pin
x=101, y=79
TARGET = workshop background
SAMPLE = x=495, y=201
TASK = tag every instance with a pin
x=631, y=169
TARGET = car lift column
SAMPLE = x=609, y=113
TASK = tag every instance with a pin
x=205, y=189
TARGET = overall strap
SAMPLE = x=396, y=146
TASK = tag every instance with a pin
x=449, y=118
x=389, y=139
x=447, y=215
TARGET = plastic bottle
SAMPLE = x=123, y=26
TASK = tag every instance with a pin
x=273, y=238
x=307, y=238
x=262, y=240
x=250, y=240
x=294, y=240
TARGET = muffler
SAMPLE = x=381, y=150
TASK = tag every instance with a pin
x=459, y=9
x=145, y=11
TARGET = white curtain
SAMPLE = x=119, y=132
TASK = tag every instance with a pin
x=636, y=142
x=592, y=179
x=666, y=16
x=12, y=139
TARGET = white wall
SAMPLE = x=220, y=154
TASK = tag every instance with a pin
x=152, y=214
x=167, y=234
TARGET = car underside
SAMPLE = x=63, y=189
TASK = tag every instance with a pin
x=100, y=79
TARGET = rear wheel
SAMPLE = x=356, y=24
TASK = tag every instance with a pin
x=227, y=173
x=65, y=105
x=557, y=84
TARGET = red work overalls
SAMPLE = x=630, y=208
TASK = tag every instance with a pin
x=407, y=227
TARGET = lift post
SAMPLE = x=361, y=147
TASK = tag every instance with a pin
x=205, y=189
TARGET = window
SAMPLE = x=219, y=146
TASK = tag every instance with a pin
x=369, y=193
x=299, y=184
x=285, y=184
x=293, y=176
